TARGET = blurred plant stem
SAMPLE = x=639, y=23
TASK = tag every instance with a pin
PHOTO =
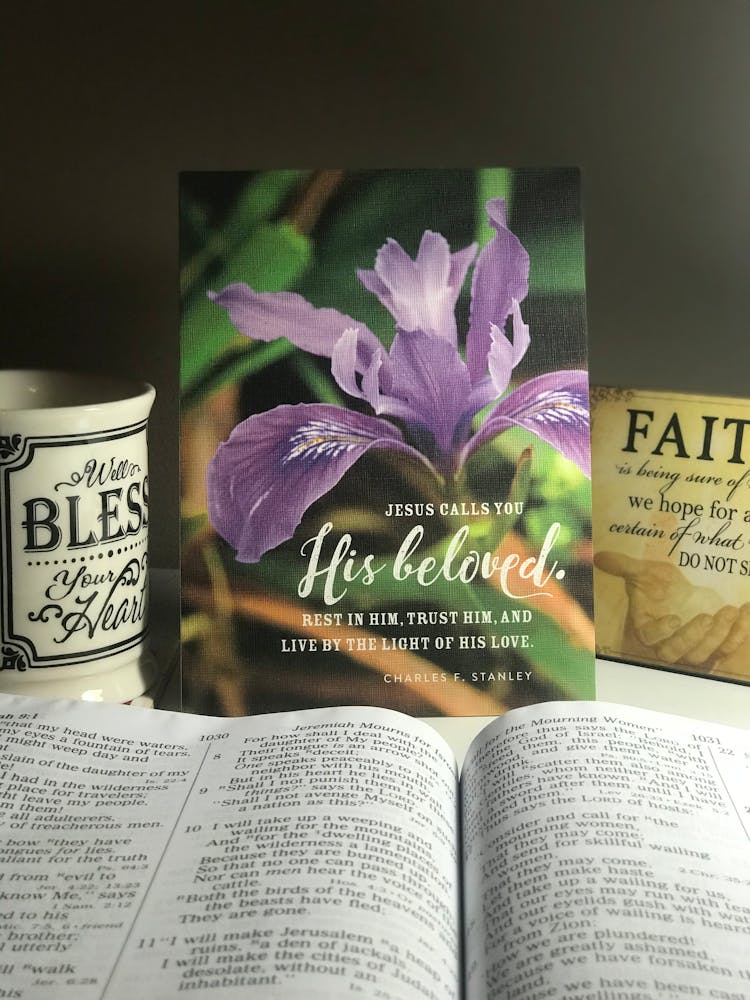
x=203, y=427
x=315, y=195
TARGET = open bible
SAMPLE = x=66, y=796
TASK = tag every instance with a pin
x=587, y=851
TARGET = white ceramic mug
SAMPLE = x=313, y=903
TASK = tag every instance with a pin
x=74, y=535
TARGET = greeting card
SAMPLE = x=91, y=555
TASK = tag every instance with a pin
x=385, y=440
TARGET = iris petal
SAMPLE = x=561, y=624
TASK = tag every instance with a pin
x=275, y=464
x=420, y=294
x=554, y=406
x=344, y=363
x=430, y=377
x=343, y=369
x=271, y=315
x=501, y=275
x=505, y=354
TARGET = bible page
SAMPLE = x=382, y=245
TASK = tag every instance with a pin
x=310, y=854
x=606, y=857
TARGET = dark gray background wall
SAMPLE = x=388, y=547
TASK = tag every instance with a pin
x=104, y=104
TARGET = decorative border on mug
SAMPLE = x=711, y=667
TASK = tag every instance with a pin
x=9, y=445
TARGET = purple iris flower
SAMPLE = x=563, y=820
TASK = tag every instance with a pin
x=275, y=464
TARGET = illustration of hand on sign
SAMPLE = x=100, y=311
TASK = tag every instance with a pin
x=671, y=621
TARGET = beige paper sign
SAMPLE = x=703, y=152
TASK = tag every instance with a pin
x=671, y=530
